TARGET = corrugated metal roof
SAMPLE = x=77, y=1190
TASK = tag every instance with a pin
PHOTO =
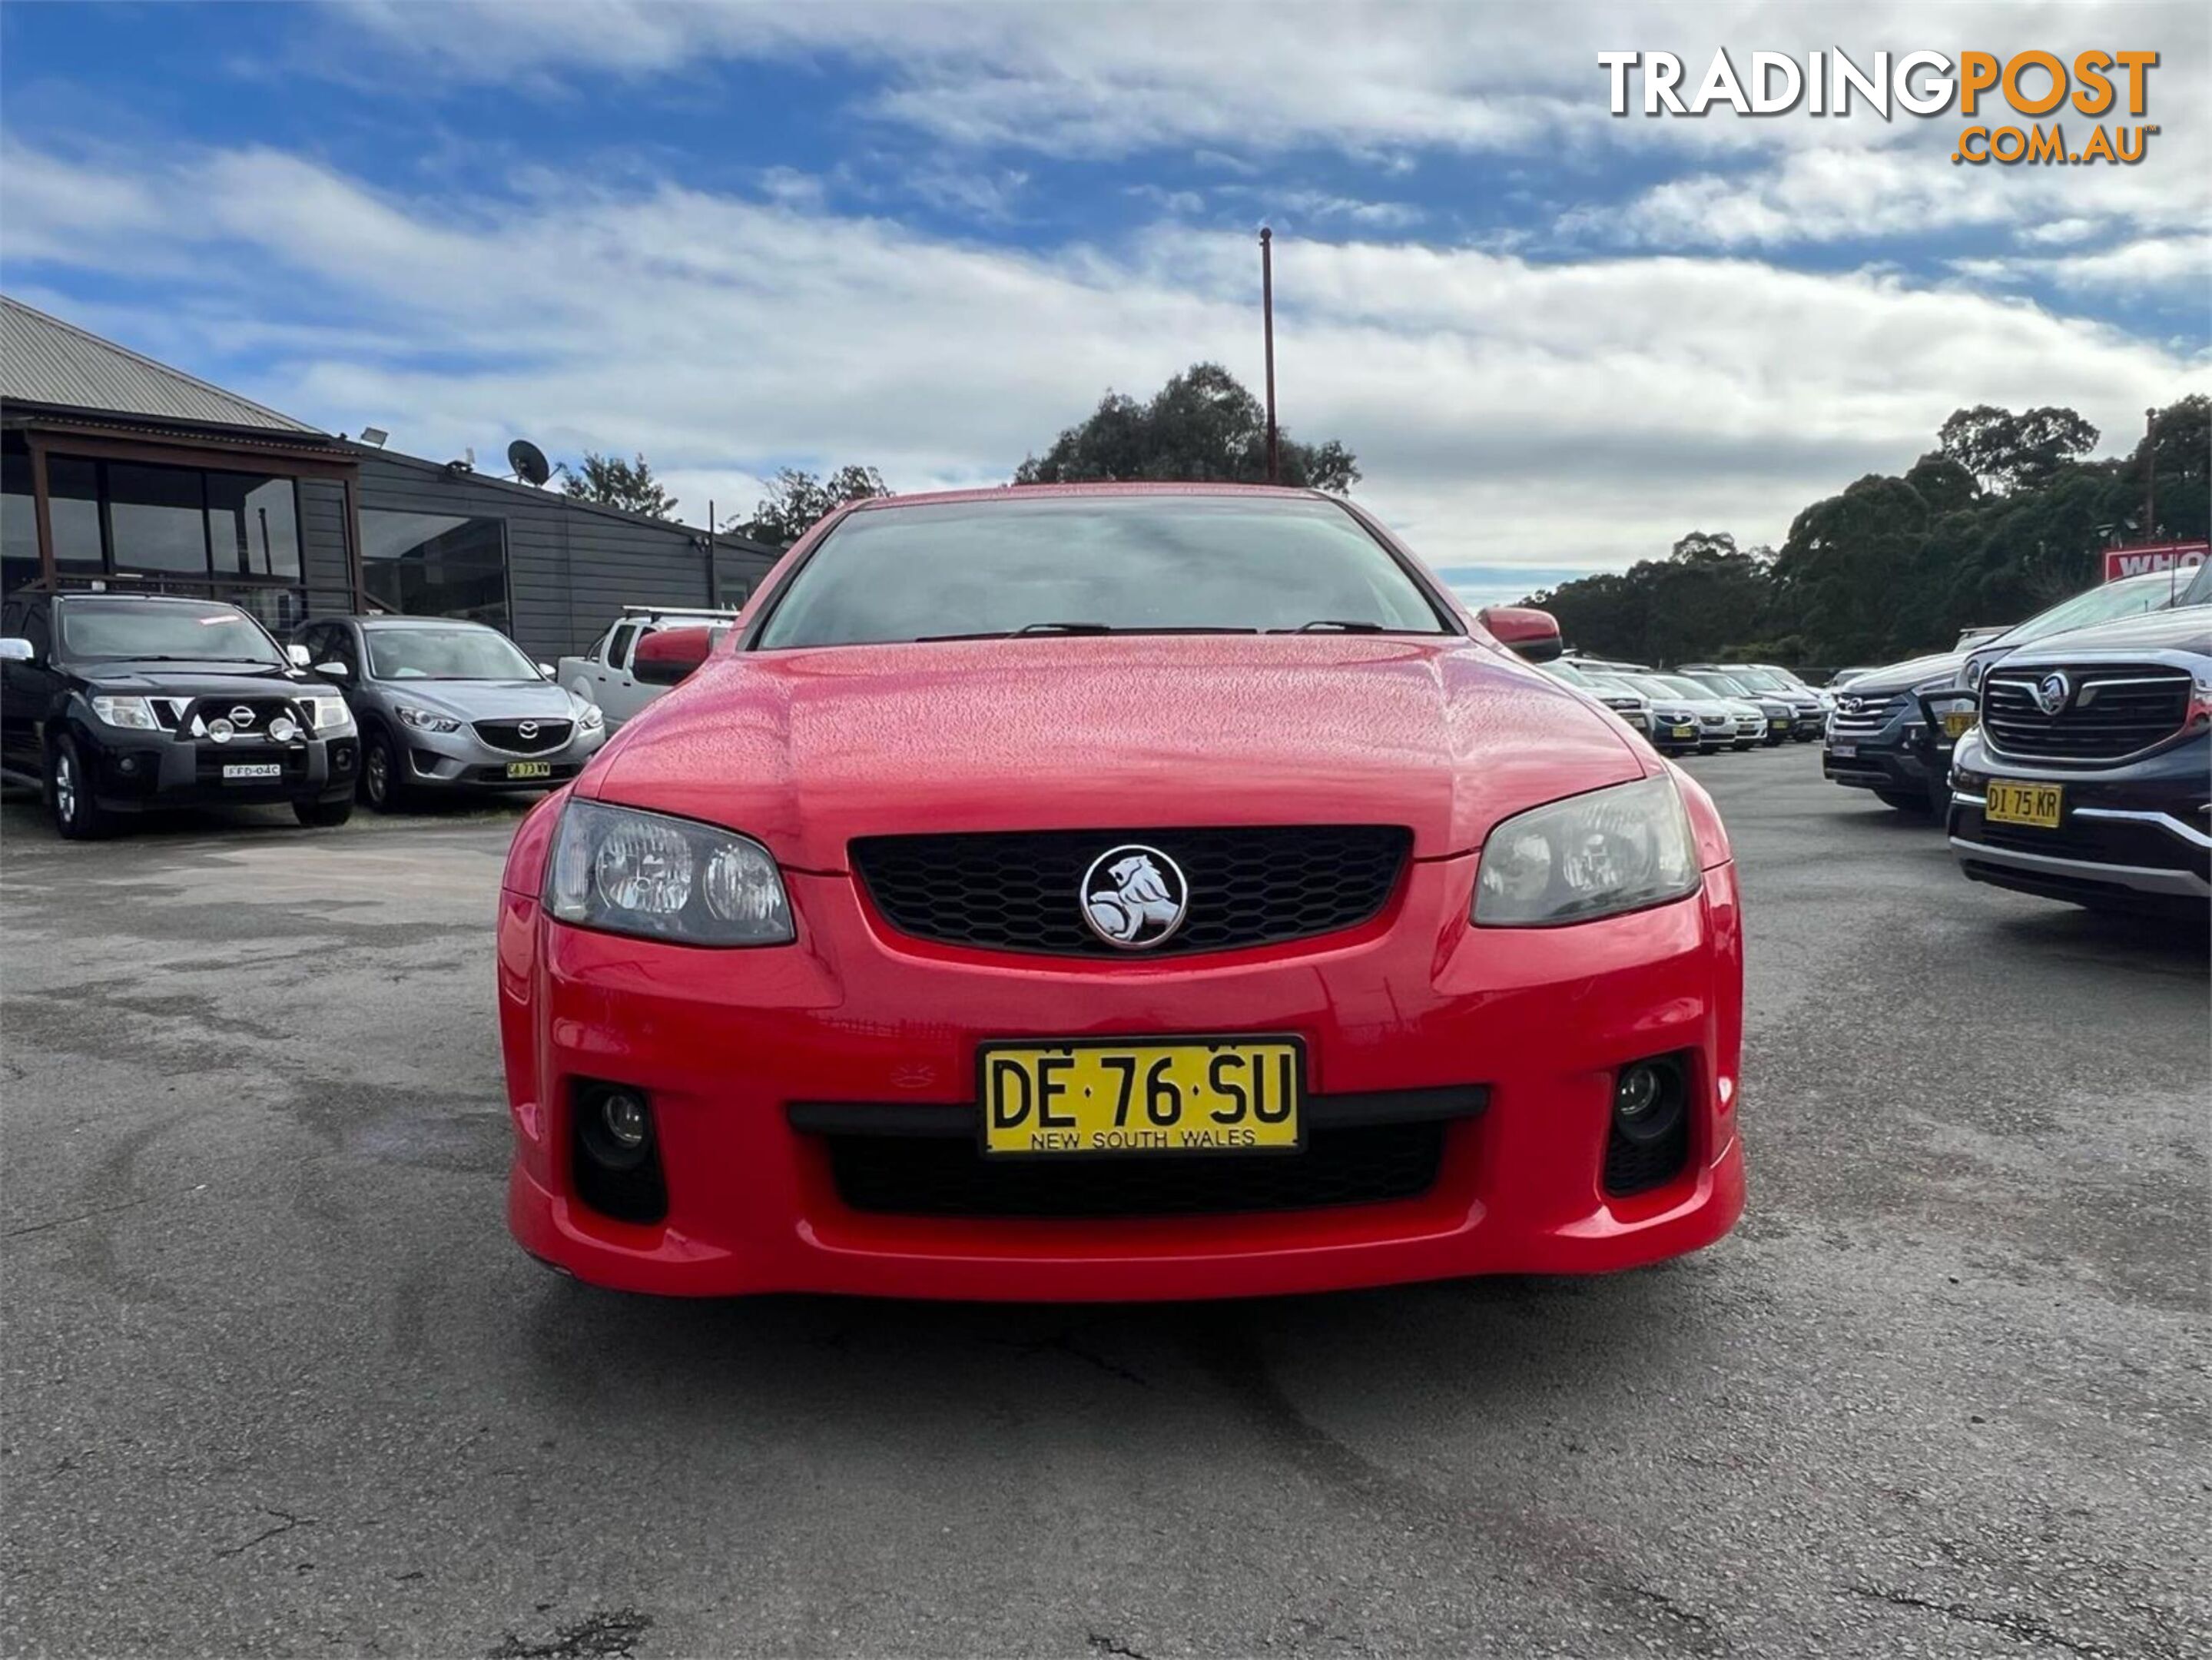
x=47, y=361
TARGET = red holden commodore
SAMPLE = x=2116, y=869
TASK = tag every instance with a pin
x=1118, y=891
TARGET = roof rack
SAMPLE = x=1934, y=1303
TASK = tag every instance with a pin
x=678, y=610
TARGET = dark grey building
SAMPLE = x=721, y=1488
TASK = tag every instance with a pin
x=122, y=472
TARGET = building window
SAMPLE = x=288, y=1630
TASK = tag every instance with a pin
x=73, y=513
x=253, y=526
x=435, y=564
x=18, y=517
x=157, y=519
x=219, y=535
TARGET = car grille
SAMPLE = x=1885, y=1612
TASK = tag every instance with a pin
x=2114, y=709
x=1857, y=717
x=263, y=709
x=508, y=735
x=1364, y=1166
x=1021, y=890
x=1718, y=719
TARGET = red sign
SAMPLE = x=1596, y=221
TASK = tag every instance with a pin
x=2154, y=556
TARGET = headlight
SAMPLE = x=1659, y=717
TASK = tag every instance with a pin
x=1592, y=855
x=666, y=879
x=327, y=715
x=424, y=720
x=1974, y=666
x=133, y=712
x=591, y=717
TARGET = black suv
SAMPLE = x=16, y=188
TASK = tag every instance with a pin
x=113, y=703
x=2089, y=777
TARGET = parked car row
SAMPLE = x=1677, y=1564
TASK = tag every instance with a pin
x=1703, y=706
x=113, y=703
x=2067, y=756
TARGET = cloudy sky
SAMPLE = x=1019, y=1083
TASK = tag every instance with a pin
x=927, y=237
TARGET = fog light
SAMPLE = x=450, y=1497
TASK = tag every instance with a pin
x=129, y=764
x=625, y=1115
x=220, y=731
x=1636, y=1092
x=618, y=1129
x=282, y=730
x=1647, y=1101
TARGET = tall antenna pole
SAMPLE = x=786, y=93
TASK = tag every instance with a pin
x=2150, y=475
x=1267, y=324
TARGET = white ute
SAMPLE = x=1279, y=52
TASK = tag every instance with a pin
x=602, y=675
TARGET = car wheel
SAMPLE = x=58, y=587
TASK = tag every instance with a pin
x=1905, y=801
x=323, y=815
x=383, y=783
x=78, y=816
x=1742, y=743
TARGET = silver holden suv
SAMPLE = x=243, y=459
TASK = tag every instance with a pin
x=446, y=706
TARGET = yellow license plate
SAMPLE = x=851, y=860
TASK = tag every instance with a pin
x=1683, y=732
x=1225, y=1095
x=530, y=769
x=2010, y=803
x=1958, y=723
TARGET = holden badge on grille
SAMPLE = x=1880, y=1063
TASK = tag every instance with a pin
x=1134, y=897
x=2051, y=693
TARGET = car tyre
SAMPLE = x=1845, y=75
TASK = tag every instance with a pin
x=383, y=774
x=323, y=815
x=78, y=816
x=1905, y=802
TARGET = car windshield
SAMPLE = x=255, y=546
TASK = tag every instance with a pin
x=1755, y=679
x=1683, y=685
x=447, y=653
x=1568, y=672
x=1077, y=564
x=2131, y=596
x=1720, y=683
x=1613, y=683
x=1652, y=686
x=158, y=631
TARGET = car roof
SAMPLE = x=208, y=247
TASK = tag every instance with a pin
x=1102, y=487
x=154, y=599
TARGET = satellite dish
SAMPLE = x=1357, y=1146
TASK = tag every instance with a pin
x=528, y=461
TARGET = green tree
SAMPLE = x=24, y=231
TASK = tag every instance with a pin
x=1201, y=427
x=2008, y=451
x=614, y=483
x=796, y=500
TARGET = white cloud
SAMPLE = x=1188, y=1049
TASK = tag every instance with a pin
x=1506, y=412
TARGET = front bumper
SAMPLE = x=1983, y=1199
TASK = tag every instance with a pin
x=130, y=776
x=461, y=760
x=2138, y=834
x=1888, y=760
x=727, y=1044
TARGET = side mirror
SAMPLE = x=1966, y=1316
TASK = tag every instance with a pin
x=334, y=671
x=548, y=670
x=17, y=651
x=670, y=655
x=298, y=654
x=1522, y=629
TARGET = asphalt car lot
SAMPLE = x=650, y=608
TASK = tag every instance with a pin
x=277, y=1383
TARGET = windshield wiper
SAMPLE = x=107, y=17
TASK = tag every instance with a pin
x=1332, y=625
x=1073, y=628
